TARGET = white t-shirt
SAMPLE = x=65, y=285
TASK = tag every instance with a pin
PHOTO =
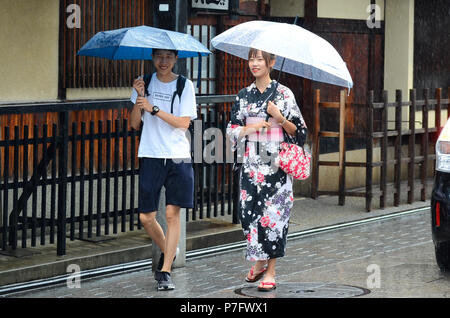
x=159, y=139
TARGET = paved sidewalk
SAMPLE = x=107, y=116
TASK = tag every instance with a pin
x=134, y=246
x=335, y=264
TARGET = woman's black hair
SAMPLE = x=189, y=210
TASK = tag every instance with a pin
x=173, y=51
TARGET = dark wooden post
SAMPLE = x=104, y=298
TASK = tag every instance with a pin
x=369, y=151
x=62, y=187
x=384, y=149
x=412, y=143
x=398, y=146
x=316, y=129
x=437, y=114
x=342, y=147
x=425, y=138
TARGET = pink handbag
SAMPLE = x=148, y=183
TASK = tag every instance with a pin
x=294, y=160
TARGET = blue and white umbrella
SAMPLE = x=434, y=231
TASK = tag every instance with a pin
x=299, y=51
x=138, y=43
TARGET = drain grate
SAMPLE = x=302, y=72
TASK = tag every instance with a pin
x=304, y=290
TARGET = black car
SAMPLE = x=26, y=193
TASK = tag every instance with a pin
x=440, y=200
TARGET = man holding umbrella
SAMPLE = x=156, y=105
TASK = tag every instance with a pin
x=164, y=154
x=165, y=110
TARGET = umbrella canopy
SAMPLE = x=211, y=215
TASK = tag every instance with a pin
x=299, y=51
x=137, y=43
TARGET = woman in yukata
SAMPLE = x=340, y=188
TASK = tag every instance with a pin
x=266, y=195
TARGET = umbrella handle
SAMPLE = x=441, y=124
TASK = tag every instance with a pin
x=279, y=76
x=142, y=68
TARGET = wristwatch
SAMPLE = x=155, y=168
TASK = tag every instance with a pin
x=155, y=110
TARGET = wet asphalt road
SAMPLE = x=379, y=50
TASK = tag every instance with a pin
x=388, y=258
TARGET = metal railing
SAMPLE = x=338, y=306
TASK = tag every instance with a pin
x=77, y=178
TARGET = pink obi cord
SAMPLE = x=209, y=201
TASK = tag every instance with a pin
x=274, y=133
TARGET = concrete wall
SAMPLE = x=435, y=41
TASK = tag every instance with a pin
x=29, y=50
x=98, y=93
x=346, y=9
x=341, y=9
x=399, y=47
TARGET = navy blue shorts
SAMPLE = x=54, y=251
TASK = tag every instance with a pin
x=177, y=177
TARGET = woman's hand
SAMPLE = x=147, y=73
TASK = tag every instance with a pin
x=252, y=128
x=261, y=125
x=139, y=86
x=274, y=111
x=144, y=104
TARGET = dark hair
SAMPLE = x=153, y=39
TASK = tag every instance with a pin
x=173, y=51
x=266, y=56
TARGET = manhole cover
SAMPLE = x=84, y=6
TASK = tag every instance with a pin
x=304, y=290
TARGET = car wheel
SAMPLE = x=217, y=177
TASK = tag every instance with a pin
x=443, y=255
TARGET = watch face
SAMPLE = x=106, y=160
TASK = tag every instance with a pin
x=155, y=110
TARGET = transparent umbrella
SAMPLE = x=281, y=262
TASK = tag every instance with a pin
x=299, y=51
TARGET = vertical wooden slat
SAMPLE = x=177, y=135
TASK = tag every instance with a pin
x=91, y=179
x=108, y=175
x=437, y=114
x=132, y=178
x=5, y=222
x=369, y=151
x=85, y=70
x=35, y=186
x=101, y=26
x=25, y=185
x=425, y=139
x=53, y=185
x=412, y=143
x=62, y=52
x=316, y=129
x=208, y=71
x=191, y=75
x=202, y=174
x=82, y=179
x=208, y=170
x=195, y=141
x=116, y=26
x=216, y=179
x=384, y=148
x=75, y=44
x=224, y=165
x=448, y=105
x=124, y=177
x=73, y=183
x=62, y=184
x=398, y=147
x=44, y=184
x=342, y=147
x=99, y=178
x=13, y=219
x=116, y=175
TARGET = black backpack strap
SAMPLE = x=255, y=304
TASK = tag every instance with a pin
x=147, y=79
x=181, y=82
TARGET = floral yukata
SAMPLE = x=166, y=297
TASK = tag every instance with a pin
x=266, y=195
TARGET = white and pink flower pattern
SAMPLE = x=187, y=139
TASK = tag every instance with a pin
x=266, y=196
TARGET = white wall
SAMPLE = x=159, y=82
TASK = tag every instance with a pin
x=29, y=50
x=347, y=9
